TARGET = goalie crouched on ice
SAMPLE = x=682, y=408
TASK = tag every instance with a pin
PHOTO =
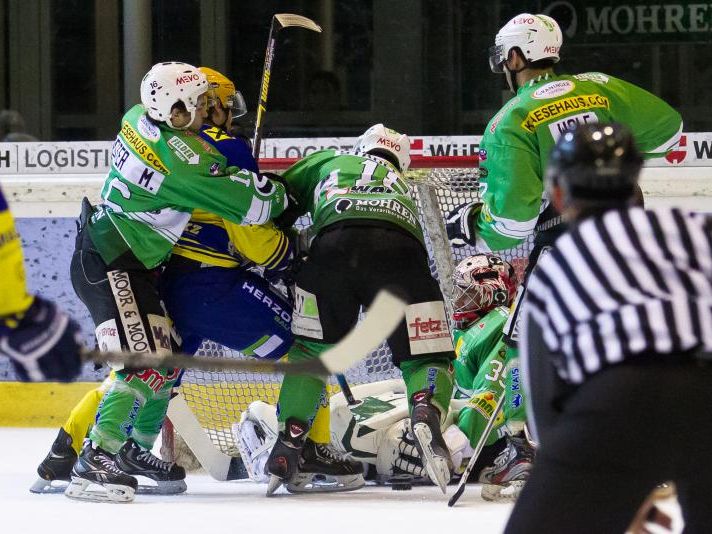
x=378, y=433
x=366, y=236
x=161, y=170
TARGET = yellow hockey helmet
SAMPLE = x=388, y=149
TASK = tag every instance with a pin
x=222, y=89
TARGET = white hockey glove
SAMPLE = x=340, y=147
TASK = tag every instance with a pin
x=459, y=446
x=458, y=224
x=255, y=435
x=397, y=453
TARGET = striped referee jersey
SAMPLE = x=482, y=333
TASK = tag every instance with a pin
x=628, y=282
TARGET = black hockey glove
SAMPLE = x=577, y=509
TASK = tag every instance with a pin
x=45, y=344
x=290, y=215
x=458, y=224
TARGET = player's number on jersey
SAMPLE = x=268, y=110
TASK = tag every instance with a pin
x=122, y=188
x=262, y=184
x=495, y=374
x=369, y=169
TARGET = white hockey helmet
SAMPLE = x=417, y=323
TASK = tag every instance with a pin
x=537, y=36
x=379, y=138
x=481, y=283
x=168, y=83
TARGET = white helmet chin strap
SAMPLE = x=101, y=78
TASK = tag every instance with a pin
x=511, y=78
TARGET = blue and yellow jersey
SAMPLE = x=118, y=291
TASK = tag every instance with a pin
x=14, y=297
x=212, y=240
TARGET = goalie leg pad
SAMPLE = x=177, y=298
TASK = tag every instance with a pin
x=255, y=435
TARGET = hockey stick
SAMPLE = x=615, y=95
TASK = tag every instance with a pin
x=219, y=465
x=383, y=317
x=346, y=389
x=480, y=444
x=279, y=21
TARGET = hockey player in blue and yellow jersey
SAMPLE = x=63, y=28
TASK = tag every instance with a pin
x=40, y=340
x=207, y=287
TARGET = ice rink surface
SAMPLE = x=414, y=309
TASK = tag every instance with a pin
x=228, y=507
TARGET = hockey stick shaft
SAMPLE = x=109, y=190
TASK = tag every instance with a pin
x=279, y=21
x=383, y=317
x=348, y=394
x=480, y=444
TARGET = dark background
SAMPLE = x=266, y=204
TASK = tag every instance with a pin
x=419, y=66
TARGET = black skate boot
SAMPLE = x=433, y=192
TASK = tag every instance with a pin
x=324, y=469
x=169, y=477
x=505, y=480
x=96, y=466
x=425, y=422
x=56, y=469
x=283, y=461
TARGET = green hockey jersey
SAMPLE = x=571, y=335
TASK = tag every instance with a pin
x=333, y=186
x=158, y=176
x=515, y=147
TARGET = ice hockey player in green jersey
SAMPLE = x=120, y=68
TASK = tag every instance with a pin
x=161, y=170
x=366, y=236
x=515, y=147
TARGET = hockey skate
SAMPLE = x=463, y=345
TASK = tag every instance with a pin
x=425, y=421
x=283, y=461
x=505, y=480
x=322, y=469
x=96, y=467
x=168, y=478
x=56, y=469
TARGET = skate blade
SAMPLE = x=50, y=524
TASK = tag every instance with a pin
x=502, y=493
x=42, y=486
x=163, y=487
x=311, y=483
x=78, y=489
x=436, y=466
x=274, y=483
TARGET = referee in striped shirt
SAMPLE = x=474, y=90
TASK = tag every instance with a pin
x=617, y=348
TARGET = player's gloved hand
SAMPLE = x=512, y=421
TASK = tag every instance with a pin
x=293, y=210
x=458, y=224
x=44, y=344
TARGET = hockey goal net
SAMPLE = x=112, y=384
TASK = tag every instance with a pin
x=439, y=185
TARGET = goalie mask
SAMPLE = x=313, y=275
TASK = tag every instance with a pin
x=379, y=140
x=168, y=83
x=481, y=283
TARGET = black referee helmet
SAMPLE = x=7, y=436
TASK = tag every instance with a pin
x=596, y=164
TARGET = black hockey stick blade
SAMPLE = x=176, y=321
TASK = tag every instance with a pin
x=289, y=19
x=383, y=317
x=455, y=496
x=279, y=21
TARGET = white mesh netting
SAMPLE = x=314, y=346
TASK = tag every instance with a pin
x=217, y=399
